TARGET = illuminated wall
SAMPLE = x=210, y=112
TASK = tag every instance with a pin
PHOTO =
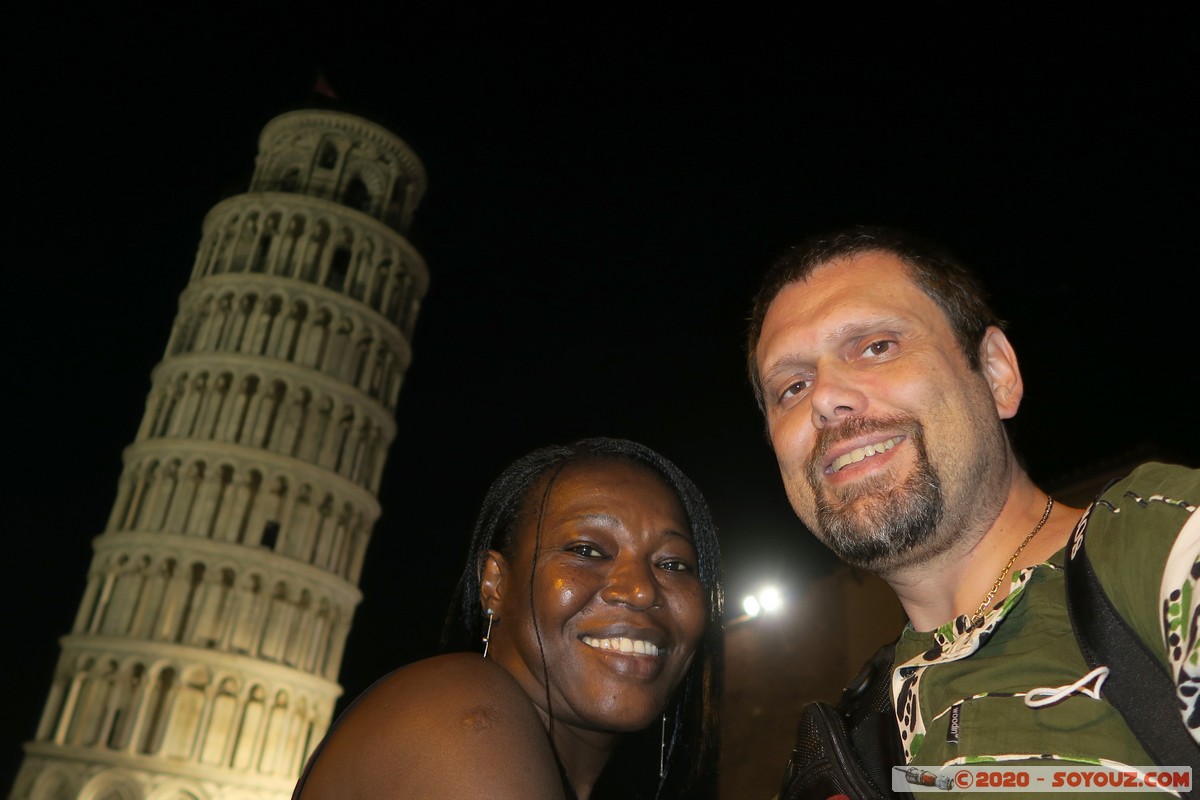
x=203, y=660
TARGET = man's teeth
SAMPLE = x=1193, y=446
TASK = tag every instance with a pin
x=622, y=644
x=854, y=456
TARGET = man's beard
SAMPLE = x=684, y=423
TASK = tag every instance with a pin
x=874, y=524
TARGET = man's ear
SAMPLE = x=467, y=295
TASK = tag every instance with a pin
x=491, y=582
x=999, y=362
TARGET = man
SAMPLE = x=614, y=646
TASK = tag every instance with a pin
x=884, y=379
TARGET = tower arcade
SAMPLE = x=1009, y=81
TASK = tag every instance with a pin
x=203, y=660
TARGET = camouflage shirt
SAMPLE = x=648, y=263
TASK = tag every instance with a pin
x=960, y=696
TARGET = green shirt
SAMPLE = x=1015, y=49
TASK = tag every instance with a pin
x=960, y=696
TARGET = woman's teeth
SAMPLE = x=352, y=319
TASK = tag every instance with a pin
x=622, y=644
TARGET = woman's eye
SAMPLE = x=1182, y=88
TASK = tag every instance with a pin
x=586, y=550
x=675, y=565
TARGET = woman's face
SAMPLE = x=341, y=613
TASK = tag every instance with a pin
x=617, y=595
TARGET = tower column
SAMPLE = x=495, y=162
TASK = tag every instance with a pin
x=207, y=643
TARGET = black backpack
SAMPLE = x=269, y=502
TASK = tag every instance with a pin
x=850, y=748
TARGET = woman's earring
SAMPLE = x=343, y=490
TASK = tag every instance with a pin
x=662, y=750
x=487, y=636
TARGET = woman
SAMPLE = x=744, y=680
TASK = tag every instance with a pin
x=593, y=584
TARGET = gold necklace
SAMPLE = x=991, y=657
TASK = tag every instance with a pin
x=977, y=617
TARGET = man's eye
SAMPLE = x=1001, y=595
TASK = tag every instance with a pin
x=675, y=565
x=585, y=550
x=794, y=389
x=878, y=348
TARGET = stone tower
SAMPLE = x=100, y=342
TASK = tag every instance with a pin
x=203, y=660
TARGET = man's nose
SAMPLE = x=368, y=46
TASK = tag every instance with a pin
x=836, y=394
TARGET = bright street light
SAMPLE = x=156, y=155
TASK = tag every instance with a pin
x=769, y=599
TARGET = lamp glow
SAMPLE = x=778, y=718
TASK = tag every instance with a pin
x=767, y=600
x=770, y=598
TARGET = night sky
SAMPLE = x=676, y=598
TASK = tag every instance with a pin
x=604, y=191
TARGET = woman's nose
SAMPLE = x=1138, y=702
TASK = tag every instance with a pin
x=631, y=583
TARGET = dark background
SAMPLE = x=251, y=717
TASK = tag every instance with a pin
x=605, y=188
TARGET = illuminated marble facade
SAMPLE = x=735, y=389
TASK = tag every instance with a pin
x=203, y=660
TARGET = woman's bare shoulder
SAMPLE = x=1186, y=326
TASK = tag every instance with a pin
x=439, y=690
x=449, y=726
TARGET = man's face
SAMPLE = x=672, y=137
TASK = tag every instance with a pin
x=884, y=435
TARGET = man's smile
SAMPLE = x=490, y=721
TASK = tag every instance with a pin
x=858, y=454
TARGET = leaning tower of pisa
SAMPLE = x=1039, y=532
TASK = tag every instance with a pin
x=203, y=661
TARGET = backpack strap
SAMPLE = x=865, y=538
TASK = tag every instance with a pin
x=1138, y=686
x=866, y=708
x=850, y=749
